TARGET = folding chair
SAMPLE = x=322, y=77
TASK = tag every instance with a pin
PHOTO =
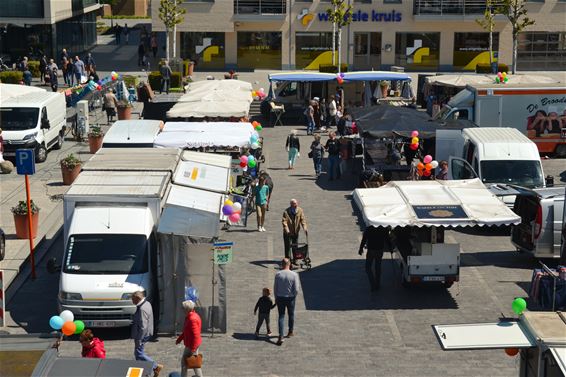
x=277, y=111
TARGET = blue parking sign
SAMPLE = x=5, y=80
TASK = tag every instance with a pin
x=25, y=161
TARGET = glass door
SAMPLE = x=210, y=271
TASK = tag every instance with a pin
x=367, y=51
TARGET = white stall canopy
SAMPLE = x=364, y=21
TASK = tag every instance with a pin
x=192, y=135
x=201, y=171
x=463, y=80
x=457, y=203
x=191, y=212
x=222, y=109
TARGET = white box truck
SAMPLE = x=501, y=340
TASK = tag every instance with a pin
x=537, y=110
x=111, y=215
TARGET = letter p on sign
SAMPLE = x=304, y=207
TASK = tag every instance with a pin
x=25, y=161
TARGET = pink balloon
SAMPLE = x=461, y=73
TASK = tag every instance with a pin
x=244, y=159
x=415, y=133
x=427, y=159
x=235, y=217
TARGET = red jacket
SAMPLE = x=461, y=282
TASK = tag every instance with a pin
x=191, y=331
x=95, y=349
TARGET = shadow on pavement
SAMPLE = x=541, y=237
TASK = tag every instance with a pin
x=490, y=231
x=506, y=259
x=265, y=263
x=342, y=285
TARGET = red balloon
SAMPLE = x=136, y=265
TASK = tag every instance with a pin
x=426, y=173
x=414, y=146
x=243, y=164
x=511, y=351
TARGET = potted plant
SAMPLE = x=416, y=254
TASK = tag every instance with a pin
x=124, y=109
x=384, y=85
x=70, y=168
x=21, y=219
x=95, y=135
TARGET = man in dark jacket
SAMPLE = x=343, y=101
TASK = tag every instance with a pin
x=142, y=329
x=166, y=74
x=376, y=240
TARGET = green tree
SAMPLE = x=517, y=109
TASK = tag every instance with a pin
x=171, y=13
x=340, y=14
x=516, y=12
x=488, y=24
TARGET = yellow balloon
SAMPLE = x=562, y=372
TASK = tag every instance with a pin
x=228, y=202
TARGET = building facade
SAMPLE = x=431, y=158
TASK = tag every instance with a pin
x=32, y=27
x=420, y=35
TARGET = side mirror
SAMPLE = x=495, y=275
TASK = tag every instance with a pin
x=45, y=124
x=52, y=266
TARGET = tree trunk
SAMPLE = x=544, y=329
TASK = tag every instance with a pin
x=334, y=42
x=167, y=44
x=339, y=49
x=174, y=41
x=490, y=45
x=514, y=68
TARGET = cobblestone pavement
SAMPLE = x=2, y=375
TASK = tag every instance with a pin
x=342, y=329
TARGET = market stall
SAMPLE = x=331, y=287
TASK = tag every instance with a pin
x=417, y=212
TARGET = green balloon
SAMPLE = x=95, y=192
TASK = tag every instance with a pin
x=259, y=128
x=80, y=326
x=252, y=164
x=519, y=305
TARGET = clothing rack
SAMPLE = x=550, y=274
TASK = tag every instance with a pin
x=555, y=277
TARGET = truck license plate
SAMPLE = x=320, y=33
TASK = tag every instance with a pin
x=433, y=278
x=100, y=323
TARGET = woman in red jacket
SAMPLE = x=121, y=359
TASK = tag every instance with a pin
x=190, y=336
x=92, y=347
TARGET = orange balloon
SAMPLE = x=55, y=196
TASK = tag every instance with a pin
x=69, y=328
x=420, y=166
x=511, y=351
x=255, y=123
x=428, y=166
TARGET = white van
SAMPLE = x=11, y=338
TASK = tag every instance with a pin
x=139, y=133
x=33, y=121
x=496, y=155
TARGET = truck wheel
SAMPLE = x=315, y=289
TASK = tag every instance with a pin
x=560, y=151
x=59, y=143
x=41, y=153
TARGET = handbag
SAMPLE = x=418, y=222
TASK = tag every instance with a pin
x=310, y=154
x=193, y=361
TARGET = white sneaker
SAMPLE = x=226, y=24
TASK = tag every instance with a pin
x=263, y=229
x=259, y=229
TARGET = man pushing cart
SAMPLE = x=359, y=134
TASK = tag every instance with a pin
x=293, y=219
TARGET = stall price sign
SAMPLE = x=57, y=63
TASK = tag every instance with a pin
x=223, y=252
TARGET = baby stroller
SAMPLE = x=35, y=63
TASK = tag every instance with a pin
x=301, y=255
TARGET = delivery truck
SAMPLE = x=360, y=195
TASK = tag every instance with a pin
x=537, y=110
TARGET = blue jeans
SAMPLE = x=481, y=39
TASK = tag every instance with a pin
x=310, y=125
x=317, y=164
x=282, y=304
x=333, y=163
x=139, y=352
x=165, y=84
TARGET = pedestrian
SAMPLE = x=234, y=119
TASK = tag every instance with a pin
x=23, y=64
x=126, y=33
x=42, y=69
x=92, y=347
x=63, y=55
x=376, y=240
x=190, y=337
x=443, y=174
x=110, y=104
x=154, y=45
x=293, y=148
x=90, y=64
x=53, y=80
x=317, y=113
x=316, y=153
x=261, y=193
x=323, y=113
x=146, y=64
x=141, y=53
x=27, y=77
x=79, y=70
x=286, y=287
x=332, y=112
x=293, y=219
x=339, y=97
x=142, y=329
x=269, y=183
x=309, y=115
x=117, y=33
x=166, y=73
x=333, y=148
x=264, y=305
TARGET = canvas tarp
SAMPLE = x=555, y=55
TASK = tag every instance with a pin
x=473, y=80
x=203, y=176
x=192, y=135
x=457, y=203
x=222, y=109
x=185, y=262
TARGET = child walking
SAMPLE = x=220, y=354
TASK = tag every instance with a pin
x=264, y=304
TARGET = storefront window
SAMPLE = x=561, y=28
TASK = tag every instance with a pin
x=76, y=34
x=312, y=50
x=21, y=9
x=259, y=50
x=367, y=50
x=417, y=51
x=541, y=51
x=205, y=49
x=471, y=49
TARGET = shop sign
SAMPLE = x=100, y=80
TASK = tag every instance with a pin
x=374, y=16
x=223, y=252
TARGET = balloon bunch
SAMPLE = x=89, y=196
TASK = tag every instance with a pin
x=424, y=168
x=65, y=322
x=340, y=78
x=414, y=140
x=259, y=94
x=257, y=125
x=519, y=305
x=114, y=76
x=248, y=162
x=232, y=210
x=501, y=78
x=254, y=141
